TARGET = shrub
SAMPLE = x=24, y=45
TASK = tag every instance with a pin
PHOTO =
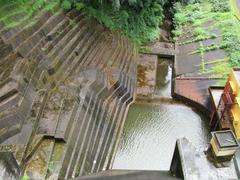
x=220, y=6
x=138, y=19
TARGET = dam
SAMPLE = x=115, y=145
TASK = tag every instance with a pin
x=81, y=101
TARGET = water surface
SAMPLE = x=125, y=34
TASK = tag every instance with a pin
x=150, y=134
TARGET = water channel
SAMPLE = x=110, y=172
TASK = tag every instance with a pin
x=151, y=130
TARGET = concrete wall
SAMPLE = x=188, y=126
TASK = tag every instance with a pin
x=65, y=87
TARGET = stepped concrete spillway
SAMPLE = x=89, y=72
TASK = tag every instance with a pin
x=65, y=86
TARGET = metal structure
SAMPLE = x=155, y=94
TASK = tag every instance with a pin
x=227, y=114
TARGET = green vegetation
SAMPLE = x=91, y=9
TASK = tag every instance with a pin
x=139, y=20
x=210, y=19
x=15, y=12
x=24, y=178
x=220, y=6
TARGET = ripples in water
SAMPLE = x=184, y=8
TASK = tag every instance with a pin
x=150, y=134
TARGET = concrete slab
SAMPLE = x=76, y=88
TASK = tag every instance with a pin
x=161, y=49
x=193, y=164
x=209, y=42
x=214, y=55
x=187, y=48
x=195, y=90
x=187, y=63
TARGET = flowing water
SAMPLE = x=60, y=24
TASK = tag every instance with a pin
x=163, y=79
x=151, y=130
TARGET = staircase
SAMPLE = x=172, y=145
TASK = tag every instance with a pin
x=65, y=86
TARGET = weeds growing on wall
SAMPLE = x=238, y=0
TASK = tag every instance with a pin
x=220, y=15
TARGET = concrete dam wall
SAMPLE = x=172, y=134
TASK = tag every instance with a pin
x=65, y=86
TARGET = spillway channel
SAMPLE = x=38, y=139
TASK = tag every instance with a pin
x=151, y=129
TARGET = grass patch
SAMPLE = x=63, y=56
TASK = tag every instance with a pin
x=217, y=15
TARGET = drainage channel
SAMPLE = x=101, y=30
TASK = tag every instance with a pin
x=151, y=130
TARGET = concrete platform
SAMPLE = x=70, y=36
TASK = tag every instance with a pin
x=191, y=163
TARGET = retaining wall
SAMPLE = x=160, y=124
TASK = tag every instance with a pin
x=65, y=86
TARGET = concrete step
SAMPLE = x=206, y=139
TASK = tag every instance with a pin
x=127, y=54
x=118, y=123
x=16, y=36
x=103, y=137
x=106, y=97
x=86, y=114
x=74, y=142
x=110, y=129
x=55, y=161
x=48, y=123
x=61, y=46
x=68, y=53
x=96, y=38
x=5, y=50
x=88, y=134
x=101, y=52
x=38, y=164
x=116, y=62
x=75, y=126
x=61, y=31
x=83, y=51
x=115, y=50
x=67, y=37
x=9, y=132
x=26, y=27
x=44, y=67
x=35, y=39
x=106, y=124
x=10, y=70
x=55, y=32
x=65, y=120
x=99, y=125
x=81, y=140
